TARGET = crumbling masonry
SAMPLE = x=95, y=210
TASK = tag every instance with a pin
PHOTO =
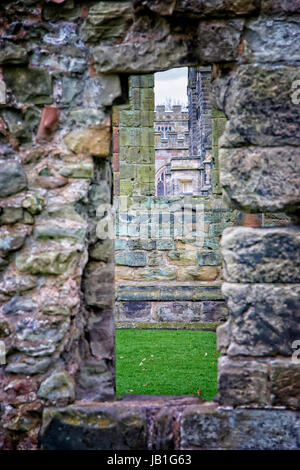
x=63, y=65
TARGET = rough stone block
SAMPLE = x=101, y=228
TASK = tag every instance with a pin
x=206, y=427
x=209, y=258
x=29, y=85
x=165, y=245
x=133, y=311
x=78, y=170
x=223, y=337
x=59, y=261
x=198, y=8
x=107, y=427
x=252, y=177
x=57, y=229
x=285, y=383
x=141, y=244
x=29, y=366
x=261, y=106
x=12, y=238
x=204, y=273
x=12, y=177
x=169, y=293
x=102, y=91
x=125, y=273
x=264, y=318
x=182, y=258
x=107, y=20
x=57, y=387
x=205, y=311
x=98, y=284
x=242, y=382
x=12, y=283
x=120, y=244
x=156, y=274
x=93, y=141
x=280, y=6
x=261, y=255
x=13, y=54
x=94, y=381
x=264, y=39
x=38, y=337
x=135, y=258
x=218, y=39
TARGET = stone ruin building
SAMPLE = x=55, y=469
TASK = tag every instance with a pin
x=77, y=143
x=183, y=149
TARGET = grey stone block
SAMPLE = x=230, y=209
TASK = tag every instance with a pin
x=264, y=318
x=252, y=177
x=261, y=255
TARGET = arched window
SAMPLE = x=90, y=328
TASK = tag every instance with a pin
x=160, y=188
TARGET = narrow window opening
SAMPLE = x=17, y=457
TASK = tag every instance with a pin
x=169, y=218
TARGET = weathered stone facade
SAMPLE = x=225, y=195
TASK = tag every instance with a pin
x=63, y=65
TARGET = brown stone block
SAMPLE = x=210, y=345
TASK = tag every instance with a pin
x=124, y=273
x=204, y=273
x=94, y=141
x=242, y=382
x=285, y=382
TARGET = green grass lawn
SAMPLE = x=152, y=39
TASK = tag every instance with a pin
x=166, y=362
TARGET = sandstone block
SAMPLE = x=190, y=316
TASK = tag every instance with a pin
x=264, y=318
x=242, y=382
x=109, y=20
x=156, y=274
x=261, y=255
x=204, y=273
x=206, y=427
x=94, y=382
x=105, y=427
x=94, y=141
x=133, y=310
x=251, y=121
x=285, y=383
x=250, y=177
x=169, y=293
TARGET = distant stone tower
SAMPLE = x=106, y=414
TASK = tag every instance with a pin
x=200, y=123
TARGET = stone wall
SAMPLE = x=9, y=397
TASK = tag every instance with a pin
x=168, y=262
x=59, y=66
